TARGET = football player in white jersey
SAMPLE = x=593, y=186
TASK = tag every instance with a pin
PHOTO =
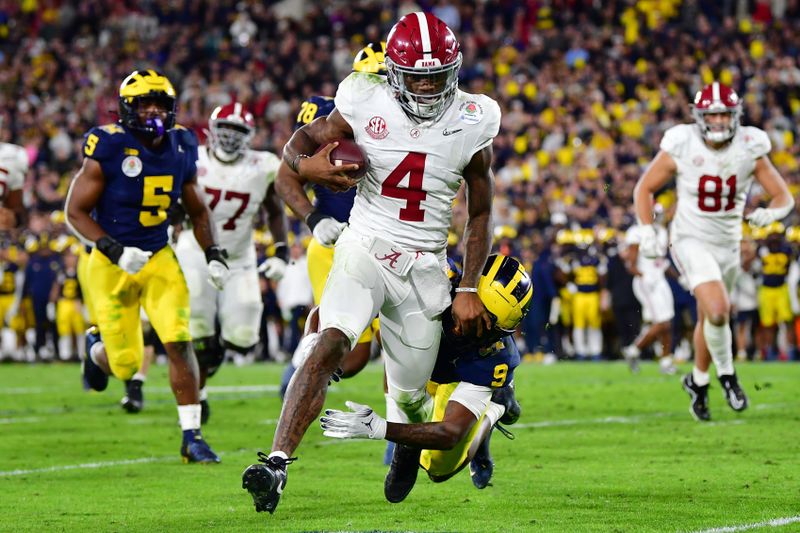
x=237, y=182
x=652, y=290
x=423, y=137
x=13, y=166
x=714, y=162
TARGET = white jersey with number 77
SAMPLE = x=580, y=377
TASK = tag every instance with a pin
x=415, y=170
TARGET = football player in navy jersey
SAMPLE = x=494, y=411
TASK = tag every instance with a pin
x=133, y=171
x=328, y=215
x=473, y=384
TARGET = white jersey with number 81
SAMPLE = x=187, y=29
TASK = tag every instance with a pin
x=414, y=170
x=712, y=184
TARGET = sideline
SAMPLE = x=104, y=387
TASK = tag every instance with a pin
x=777, y=522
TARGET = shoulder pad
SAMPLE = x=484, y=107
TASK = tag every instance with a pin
x=757, y=141
x=676, y=139
x=185, y=137
x=102, y=142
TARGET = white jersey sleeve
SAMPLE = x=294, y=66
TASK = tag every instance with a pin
x=756, y=142
x=676, y=140
x=13, y=166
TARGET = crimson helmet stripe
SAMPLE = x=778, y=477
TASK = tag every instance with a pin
x=425, y=35
x=715, y=93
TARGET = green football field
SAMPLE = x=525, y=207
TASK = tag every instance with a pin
x=596, y=449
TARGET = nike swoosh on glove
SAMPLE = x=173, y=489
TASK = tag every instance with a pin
x=217, y=274
x=273, y=268
x=361, y=423
x=328, y=230
x=133, y=259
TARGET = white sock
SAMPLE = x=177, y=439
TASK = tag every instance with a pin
x=665, y=361
x=139, y=377
x=719, y=341
x=595, y=343
x=203, y=394
x=189, y=416
x=699, y=377
x=280, y=454
x=579, y=339
x=95, y=350
x=65, y=347
x=493, y=412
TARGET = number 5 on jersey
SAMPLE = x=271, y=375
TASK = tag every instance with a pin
x=155, y=200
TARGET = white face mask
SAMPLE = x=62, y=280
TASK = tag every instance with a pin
x=717, y=132
x=229, y=141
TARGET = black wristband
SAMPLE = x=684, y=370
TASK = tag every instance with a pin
x=281, y=251
x=314, y=218
x=110, y=247
x=215, y=253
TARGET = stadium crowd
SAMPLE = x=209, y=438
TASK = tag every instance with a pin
x=586, y=90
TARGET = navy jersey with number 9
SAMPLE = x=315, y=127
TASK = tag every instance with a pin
x=141, y=184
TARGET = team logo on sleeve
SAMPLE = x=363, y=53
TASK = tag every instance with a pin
x=376, y=127
x=131, y=166
x=470, y=112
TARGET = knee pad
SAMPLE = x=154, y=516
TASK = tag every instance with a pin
x=417, y=405
x=209, y=354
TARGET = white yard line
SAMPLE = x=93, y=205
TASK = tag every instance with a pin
x=21, y=420
x=105, y=464
x=777, y=522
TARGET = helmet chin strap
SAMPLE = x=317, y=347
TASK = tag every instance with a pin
x=224, y=156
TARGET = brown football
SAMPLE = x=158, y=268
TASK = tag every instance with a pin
x=347, y=153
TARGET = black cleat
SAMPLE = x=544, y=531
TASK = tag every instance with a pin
x=205, y=412
x=734, y=394
x=133, y=401
x=197, y=450
x=402, y=473
x=699, y=396
x=266, y=480
x=505, y=396
x=481, y=467
x=93, y=376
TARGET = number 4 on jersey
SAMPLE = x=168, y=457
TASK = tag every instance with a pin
x=412, y=165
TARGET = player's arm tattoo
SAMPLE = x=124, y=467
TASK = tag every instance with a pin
x=82, y=197
x=307, y=139
x=199, y=214
x=477, y=232
x=444, y=435
x=290, y=186
x=277, y=217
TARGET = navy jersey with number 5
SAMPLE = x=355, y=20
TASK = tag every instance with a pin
x=141, y=184
x=327, y=202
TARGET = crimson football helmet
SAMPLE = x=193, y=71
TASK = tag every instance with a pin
x=713, y=99
x=230, y=129
x=422, y=63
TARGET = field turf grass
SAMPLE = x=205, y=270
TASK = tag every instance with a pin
x=596, y=449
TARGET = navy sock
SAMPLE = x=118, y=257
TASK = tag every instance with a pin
x=192, y=435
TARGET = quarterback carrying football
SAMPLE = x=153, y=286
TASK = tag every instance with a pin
x=423, y=137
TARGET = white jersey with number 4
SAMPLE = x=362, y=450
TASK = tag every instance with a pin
x=13, y=166
x=234, y=194
x=414, y=170
x=712, y=184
